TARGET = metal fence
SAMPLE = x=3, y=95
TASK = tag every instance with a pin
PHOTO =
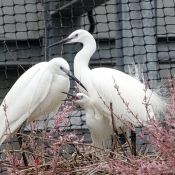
x=126, y=32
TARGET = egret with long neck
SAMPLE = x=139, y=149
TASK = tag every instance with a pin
x=100, y=82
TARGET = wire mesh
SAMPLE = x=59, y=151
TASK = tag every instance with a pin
x=126, y=31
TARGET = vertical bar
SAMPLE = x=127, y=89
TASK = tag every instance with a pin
x=118, y=36
x=61, y=27
x=139, y=43
x=46, y=33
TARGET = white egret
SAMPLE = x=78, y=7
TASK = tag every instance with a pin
x=100, y=82
x=36, y=92
x=99, y=126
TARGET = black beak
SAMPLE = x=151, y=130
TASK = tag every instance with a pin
x=69, y=94
x=74, y=96
x=74, y=78
x=69, y=73
x=60, y=42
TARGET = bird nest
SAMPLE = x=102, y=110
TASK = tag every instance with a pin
x=85, y=159
x=56, y=151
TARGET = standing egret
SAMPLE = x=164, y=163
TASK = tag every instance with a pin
x=99, y=126
x=36, y=92
x=100, y=82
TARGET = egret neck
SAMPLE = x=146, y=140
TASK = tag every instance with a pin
x=82, y=58
x=89, y=109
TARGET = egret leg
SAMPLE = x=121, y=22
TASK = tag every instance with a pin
x=133, y=142
x=122, y=139
x=19, y=137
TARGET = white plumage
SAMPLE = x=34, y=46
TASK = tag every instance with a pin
x=100, y=82
x=36, y=92
x=99, y=126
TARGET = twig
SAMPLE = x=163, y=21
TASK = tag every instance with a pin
x=126, y=138
x=113, y=129
x=45, y=31
x=13, y=57
x=25, y=152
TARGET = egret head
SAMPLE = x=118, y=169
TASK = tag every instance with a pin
x=61, y=67
x=81, y=98
x=84, y=101
x=78, y=36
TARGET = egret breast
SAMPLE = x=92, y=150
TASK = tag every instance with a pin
x=54, y=98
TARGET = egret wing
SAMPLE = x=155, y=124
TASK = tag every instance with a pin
x=23, y=98
x=129, y=91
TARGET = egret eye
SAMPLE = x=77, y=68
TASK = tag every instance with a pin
x=61, y=67
x=76, y=98
x=76, y=35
